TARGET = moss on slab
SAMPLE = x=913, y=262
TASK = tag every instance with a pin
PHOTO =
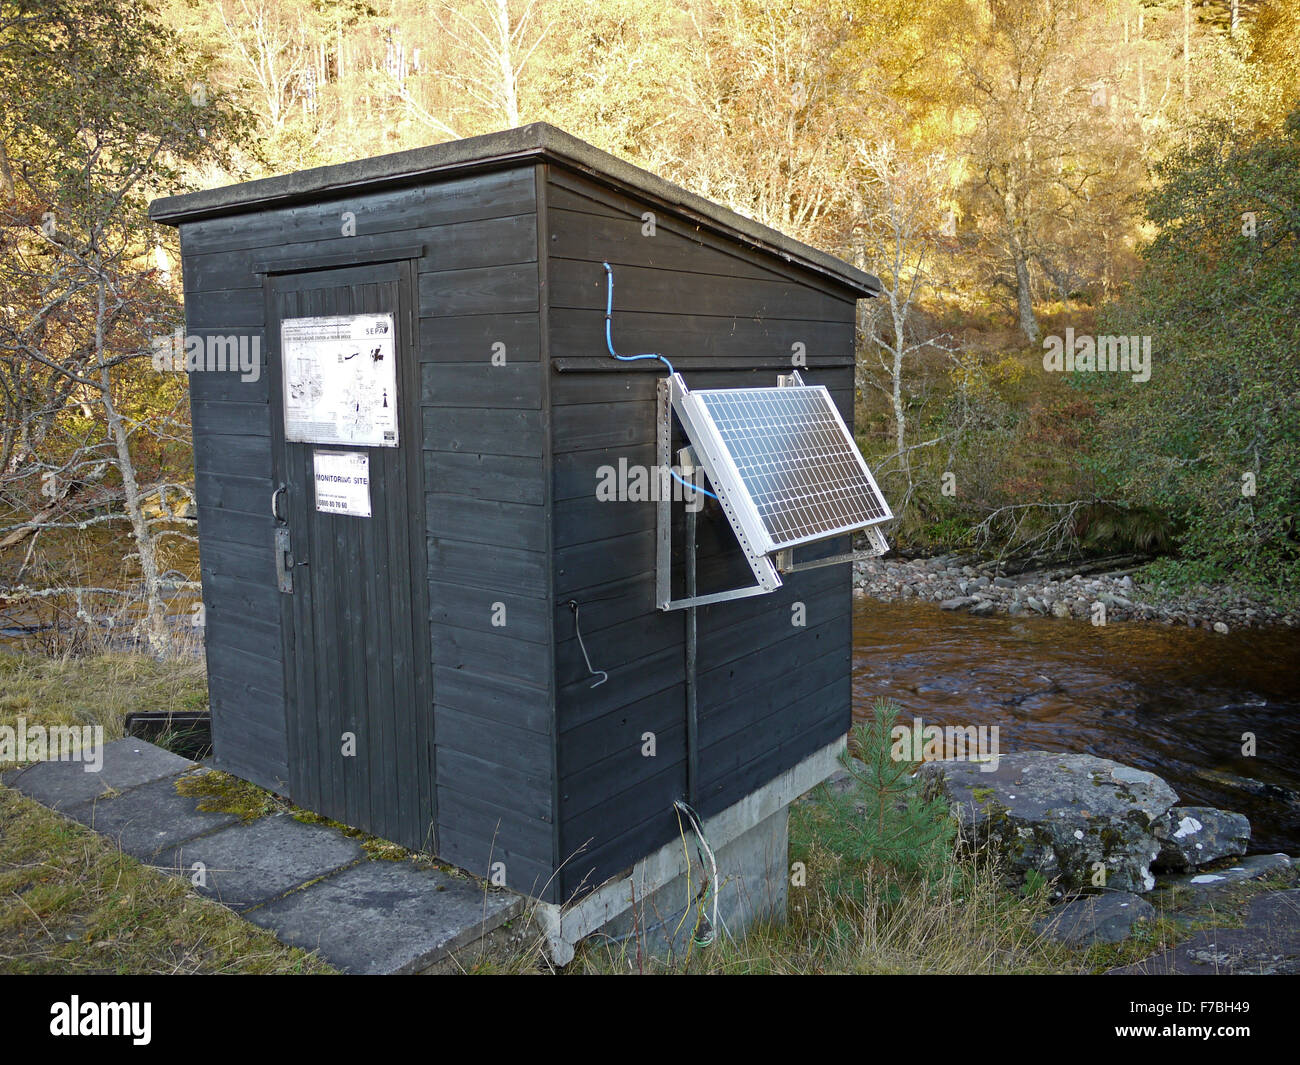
x=221, y=793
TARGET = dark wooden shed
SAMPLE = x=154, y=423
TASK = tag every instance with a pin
x=417, y=672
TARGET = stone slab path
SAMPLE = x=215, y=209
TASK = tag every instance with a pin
x=308, y=884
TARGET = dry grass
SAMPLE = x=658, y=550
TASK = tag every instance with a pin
x=96, y=689
x=965, y=923
x=71, y=902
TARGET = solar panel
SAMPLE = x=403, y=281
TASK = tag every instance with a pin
x=786, y=460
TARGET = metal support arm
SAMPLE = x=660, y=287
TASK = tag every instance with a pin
x=765, y=572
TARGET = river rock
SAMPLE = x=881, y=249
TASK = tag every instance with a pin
x=1268, y=944
x=957, y=602
x=1257, y=788
x=1061, y=816
x=937, y=579
x=1255, y=867
x=1060, y=609
x=845, y=778
x=1194, y=835
x=1107, y=918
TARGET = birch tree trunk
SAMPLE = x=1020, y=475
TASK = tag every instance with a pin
x=6, y=174
x=506, y=64
x=155, y=614
x=1024, y=284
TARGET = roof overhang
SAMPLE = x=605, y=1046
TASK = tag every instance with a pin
x=537, y=142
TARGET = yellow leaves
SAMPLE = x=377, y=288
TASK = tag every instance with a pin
x=1009, y=369
x=969, y=374
x=980, y=376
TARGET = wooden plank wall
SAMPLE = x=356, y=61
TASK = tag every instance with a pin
x=769, y=692
x=485, y=440
x=484, y=502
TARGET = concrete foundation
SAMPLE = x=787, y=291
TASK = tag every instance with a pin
x=752, y=870
x=750, y=841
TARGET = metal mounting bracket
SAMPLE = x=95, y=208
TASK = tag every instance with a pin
x=879, y=545
x=765, y=571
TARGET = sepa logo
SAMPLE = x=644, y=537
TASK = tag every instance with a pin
x=103, y=1018
x=378, y=329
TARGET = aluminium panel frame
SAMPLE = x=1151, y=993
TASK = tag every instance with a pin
x=670, y=392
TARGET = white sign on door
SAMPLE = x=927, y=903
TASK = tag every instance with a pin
x=339, y=379
x=342, y=482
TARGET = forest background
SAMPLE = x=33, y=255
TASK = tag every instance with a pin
x=1010, y=169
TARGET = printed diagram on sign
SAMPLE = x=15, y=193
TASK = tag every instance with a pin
x=304, y=383
x=340, y=380
x=360, y=398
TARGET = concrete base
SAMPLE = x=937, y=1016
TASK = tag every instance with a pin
x=750, y=842
x=754, y=879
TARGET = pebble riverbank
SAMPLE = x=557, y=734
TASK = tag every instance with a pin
x=977, y=588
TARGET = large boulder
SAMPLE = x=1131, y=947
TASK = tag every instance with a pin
x=1194, y=835
x=1081, y=821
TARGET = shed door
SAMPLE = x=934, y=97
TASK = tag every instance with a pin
x=357, y=655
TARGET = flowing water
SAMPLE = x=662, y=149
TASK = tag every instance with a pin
x=1175, y=701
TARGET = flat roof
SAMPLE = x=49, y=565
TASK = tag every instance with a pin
x=537, y=142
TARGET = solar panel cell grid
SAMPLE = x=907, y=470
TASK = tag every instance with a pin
x=796, y=461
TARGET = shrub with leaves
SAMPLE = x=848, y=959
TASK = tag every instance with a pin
x=1213, y=439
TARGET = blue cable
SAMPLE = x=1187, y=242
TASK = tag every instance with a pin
x=703, y=491
x=609, y=342
x=609, y=315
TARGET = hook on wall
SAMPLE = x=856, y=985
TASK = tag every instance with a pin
x=573, y=605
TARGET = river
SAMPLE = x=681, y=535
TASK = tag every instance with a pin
x=1172, y=700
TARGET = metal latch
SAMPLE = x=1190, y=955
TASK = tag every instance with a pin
x=283, y=561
